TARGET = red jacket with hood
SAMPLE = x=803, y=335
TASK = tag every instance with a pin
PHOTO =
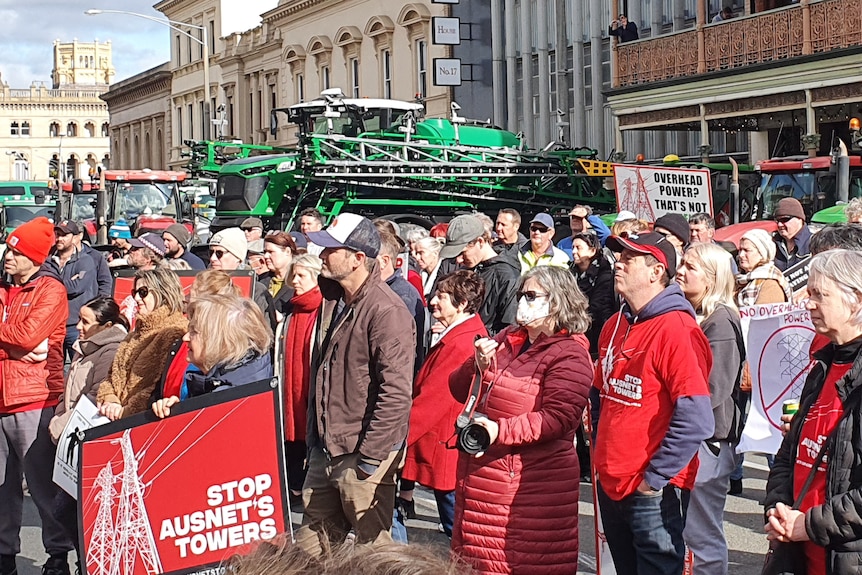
x=516, y=507
x=38, y=312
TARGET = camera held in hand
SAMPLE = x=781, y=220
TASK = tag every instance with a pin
x=473, y=438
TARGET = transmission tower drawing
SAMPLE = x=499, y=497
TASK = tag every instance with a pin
x=102, y=539
x=134, y=534
x=795, y=363
x=635, y=198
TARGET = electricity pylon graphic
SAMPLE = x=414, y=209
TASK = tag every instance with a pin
x=102, y=538
x=134, y=533
x=635, y=198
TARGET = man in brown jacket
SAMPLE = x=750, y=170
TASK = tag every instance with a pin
x=360, y=392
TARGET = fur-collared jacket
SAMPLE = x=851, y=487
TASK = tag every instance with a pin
x=141, y=359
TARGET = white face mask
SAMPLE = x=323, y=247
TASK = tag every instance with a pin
x=530, y=311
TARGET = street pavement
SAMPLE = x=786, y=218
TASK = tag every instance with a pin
x=743, y=520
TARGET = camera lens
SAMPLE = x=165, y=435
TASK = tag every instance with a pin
x=473, y=439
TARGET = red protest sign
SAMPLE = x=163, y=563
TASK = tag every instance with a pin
x=181, y=494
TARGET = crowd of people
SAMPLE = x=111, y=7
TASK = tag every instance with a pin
x=462, y=359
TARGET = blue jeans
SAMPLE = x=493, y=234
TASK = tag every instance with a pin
x=446, y=509
x=644, y=532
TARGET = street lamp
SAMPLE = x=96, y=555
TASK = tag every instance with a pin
x=172, y=24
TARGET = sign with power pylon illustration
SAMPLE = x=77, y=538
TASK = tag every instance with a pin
x=182, y=494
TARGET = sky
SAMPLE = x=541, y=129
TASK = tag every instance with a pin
x=29, y=28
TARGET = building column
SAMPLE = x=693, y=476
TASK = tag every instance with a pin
x=678, y=15
x=498, y=63
x=811, y=140
x=511, y=67
x=544, y=132
x=597, y=23
x=579, y=105
x=561, y=52
x=527, y=73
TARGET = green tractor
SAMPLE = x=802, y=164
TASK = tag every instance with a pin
x=381, y=157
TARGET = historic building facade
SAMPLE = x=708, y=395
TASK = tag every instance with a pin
x=62, y=130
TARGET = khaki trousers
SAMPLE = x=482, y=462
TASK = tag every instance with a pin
x=336, y=501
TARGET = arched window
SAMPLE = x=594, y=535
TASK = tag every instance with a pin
x=71, y=129
x=54, y=129
x=105, y=130
x=15, y=128
x=89, y=130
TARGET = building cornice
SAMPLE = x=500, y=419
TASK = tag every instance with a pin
x=152, y=81
x=293, y=9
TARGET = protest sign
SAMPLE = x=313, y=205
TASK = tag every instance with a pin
x=797, y=275
x=83, y=417
x=651, y=192
x=778, y=341
x=181, y=494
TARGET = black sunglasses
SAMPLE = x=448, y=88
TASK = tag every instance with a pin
x=784, y=219
x=540, y=229
x=141, y=292
x=218, y=253
x=530, y=296
x=246, y=229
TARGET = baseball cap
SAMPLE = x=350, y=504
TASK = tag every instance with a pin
x=350, y=231
x=68, y=227
x=625, y=215
x=648, y=243
x=461, y=231
x=299, y=239
x=544, y=219
x=252, y=223
x=152, y=241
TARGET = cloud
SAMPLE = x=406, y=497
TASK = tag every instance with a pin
x=31, y=28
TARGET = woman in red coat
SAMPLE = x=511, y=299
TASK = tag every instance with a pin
x=517, y=502
x=430, y=459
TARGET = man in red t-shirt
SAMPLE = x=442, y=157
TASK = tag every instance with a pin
x=34, y=310
x=650, y=407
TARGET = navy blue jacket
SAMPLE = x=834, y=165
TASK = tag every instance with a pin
x=783, y=258
x=413, y=301
x=250, y=369
x=79, y=277
x=103, y=273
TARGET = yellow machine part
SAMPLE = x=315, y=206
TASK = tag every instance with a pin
x=597, y=168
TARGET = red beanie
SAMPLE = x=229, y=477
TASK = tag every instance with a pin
x=33, y=239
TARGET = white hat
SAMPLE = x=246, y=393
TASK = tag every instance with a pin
x=625, y=215
x=233, y=240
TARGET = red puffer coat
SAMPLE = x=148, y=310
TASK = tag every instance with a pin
x=516, y=507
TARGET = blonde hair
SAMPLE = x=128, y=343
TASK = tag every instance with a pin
x=720, y=281
x=310, y=262
x=212, y=282
x=629, y=227
x=177, y=264
x=164, y=285
x=228, y=327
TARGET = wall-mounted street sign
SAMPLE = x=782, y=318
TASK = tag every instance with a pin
x=447, y=71
x=446, y=31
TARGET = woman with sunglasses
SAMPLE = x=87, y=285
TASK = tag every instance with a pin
x=516, y=502
x=141, y=358
x=706, y=279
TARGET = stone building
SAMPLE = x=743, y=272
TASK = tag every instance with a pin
x=66, y=125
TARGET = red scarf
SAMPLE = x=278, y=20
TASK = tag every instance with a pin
x=297, y=362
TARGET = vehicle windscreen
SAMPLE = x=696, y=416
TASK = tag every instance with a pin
x=83, y=207
x=802, y=186
x=136, y=199
x=17, y=215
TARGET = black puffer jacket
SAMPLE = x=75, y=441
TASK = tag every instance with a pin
x=597, y=283
x=836, y=524
x=500, y=306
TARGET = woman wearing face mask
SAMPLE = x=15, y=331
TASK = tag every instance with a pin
x=516, y=506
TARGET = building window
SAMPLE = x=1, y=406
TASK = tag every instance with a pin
x=179, y=53
x=72, y=130
x=105, y=130
x=54, y=130
x=300, y=88
x=179, y=125
x=201, y=44
x=387, y=73
x=191, y=111
x=273, y=98
x=89, y=130
x=354, y=77
x=324, y=78
x=211, y=37
x=25, y=128
x=15, y=129
x=203, y=119
x=421, y=68
x=189, y=42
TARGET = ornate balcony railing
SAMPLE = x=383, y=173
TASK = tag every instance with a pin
x=801, y=29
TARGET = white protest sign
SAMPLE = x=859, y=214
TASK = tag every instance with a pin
x=778, y=341
x=651, y=192
x=84, y=416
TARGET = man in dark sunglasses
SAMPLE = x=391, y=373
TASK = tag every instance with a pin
x=541, y=251
x=792, y=238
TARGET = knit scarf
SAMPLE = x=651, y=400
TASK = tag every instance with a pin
x=297, y=361
x=750, y=284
